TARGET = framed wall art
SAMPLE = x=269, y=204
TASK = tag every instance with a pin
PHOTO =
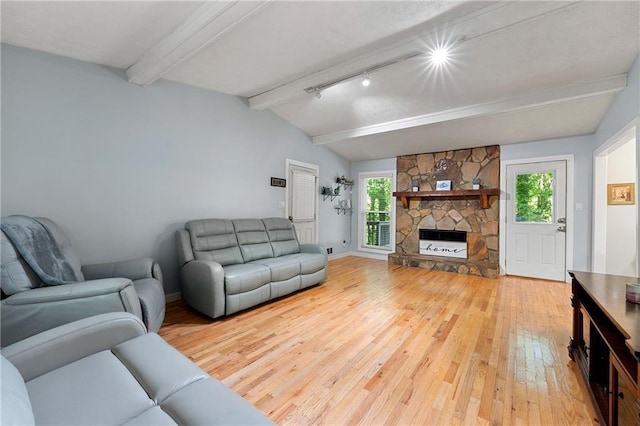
x=621, y=193
x=443, y=185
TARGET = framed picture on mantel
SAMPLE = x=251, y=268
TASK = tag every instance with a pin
x=621, y=193
x=443, y=185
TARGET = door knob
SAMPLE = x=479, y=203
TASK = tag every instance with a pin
x=562, y=228
x=562, y=220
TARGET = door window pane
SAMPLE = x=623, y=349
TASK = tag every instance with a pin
x=377, y=232
x=534, y=197
x=303, y=196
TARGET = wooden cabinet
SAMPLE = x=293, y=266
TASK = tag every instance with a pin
x=605, y=345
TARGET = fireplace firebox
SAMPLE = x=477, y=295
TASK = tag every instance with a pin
x=436, y=242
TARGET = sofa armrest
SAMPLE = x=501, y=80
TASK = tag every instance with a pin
x=312, y=248
x=62, y=345
x=30, y=312
x=132, y=269
x=69, y=291
x=202, y=285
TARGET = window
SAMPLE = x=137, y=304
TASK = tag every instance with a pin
x=376, y=224
x=534, y=197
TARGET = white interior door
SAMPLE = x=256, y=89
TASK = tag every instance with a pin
x=536, y=220
x=302, y=197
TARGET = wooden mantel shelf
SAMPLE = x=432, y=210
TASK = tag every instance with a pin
x=483, y=194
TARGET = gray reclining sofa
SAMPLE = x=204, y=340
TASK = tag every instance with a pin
x=230, y=265
x=29, y=306
x=107, y=370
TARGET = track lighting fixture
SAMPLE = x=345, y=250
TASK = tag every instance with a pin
x=437, y=56
x=364, y=73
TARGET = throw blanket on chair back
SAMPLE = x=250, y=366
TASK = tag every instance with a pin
x=39, y=249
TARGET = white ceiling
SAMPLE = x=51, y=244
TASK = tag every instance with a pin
x=524, y=70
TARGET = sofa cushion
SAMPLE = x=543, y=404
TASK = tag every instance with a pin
x=97, y=389
x=15, y=403
x=162, y=374
x=282, y=236
x=245, y=277
x=214, y=239
x=209, y=402
x=282, y=268
x=253, y=239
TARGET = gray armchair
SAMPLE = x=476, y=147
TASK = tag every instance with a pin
x=29, y=307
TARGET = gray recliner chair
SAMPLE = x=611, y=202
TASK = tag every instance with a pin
x=29, y=307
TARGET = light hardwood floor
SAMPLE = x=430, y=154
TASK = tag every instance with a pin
x=379, y=344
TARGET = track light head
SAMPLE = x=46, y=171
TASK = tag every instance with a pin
x=365, y=79
x=318, y=93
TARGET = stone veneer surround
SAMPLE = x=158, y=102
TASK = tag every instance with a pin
x=462, y=214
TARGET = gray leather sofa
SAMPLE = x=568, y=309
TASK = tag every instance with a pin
x=29, y=307
x=231, y=265
x=107, y=370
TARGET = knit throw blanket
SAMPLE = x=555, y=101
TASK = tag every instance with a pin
x=38, y=248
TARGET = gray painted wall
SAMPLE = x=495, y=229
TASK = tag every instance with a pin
x=624, y=108
x=582, y=149
x=120, y=167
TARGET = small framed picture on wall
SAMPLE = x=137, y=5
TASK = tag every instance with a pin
x=621, y=193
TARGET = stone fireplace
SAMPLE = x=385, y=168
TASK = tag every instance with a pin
x=462, y=214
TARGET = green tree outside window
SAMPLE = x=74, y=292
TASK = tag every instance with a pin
x=378, y=204
x=534, y=197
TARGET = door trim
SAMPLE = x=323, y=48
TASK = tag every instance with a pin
x=392, y=211
x=289, y=163
x=598, y=224
x=570, y=206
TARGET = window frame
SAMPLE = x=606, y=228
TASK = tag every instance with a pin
x=362, y=210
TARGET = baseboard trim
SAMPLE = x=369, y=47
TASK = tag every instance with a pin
x=359, y=254
x=168, y=298
x=339, y=255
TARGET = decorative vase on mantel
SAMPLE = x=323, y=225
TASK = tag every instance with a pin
x=476, y=182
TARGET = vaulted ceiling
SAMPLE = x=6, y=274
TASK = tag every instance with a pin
x=518, y=71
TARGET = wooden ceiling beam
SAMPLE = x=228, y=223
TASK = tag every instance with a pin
x=210, y=22
x=604, y=86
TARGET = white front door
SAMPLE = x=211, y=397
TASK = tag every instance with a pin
x=536, y=220
x=302, y=196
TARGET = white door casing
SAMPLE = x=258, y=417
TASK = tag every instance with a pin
x=362, y=205
x=599, y=254
x=301, y=199
x=537, y=249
